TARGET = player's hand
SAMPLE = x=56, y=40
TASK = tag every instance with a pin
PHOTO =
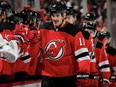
x=32, y=34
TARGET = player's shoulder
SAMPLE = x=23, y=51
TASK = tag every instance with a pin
x=111, y=50
x=101, y=37
x=99, y=45
x=71, y=29
x=86, y=34
x=47, y=25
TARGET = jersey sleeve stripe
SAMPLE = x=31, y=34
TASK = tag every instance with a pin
x=82, y=55
x=103, y=63
x=104, y=66
x=83, y=58
x=80, y=51
x=93, y=60
x=105, y=70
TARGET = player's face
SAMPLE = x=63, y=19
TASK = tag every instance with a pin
x=57, y=19
x=70, y=19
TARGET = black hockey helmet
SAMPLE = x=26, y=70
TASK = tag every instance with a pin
x=90, y=25
x=34, y=20
x=25, y=15
x=89, y=17
x=57, y=7
x=71, y=11
x=34, y=16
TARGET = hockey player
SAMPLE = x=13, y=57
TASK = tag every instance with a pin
x=102, y=62
x=93, y=78
x=72, y=17
x=111, y=53
x=23, y=29
x=30, y=23
x=33, y=48
x=64, y=50
x=7, y=23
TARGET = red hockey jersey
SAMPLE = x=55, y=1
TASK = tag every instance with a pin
x=7, y=69
x=102, y=61
x=64, y=51
x=21, y=32
x=34, y=52
x=89, y=43
x=111, y=52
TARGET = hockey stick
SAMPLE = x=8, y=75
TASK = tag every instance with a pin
x=95, y=43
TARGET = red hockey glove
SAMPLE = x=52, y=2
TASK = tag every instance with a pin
x=32, y=34
x=34, y=37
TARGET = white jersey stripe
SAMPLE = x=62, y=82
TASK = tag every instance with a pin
x=103, y=63
x=80, y=51
x=83, y=58
x=105, y=70
x=93, y=60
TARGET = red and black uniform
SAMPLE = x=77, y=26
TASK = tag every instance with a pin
x=111, y=52
x=92, y=79
x=105, y=72
x=65, y=52
x=21, y=66
x=7, y=69
x=58, y=47
x=99, y=64
x=102, y=62
x=5, y=29
x=34, y=51
x=83, y=81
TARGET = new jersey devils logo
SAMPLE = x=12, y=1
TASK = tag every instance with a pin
x=55, y=49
